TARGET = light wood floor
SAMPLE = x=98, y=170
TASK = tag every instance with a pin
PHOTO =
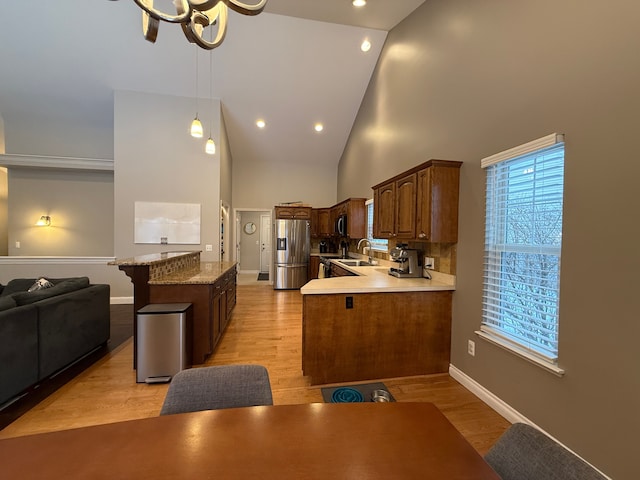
x=265, y=329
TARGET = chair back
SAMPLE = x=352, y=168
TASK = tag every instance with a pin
x=212, y=388
x=525, y=453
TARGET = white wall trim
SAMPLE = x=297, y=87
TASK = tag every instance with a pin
x=18, y=260
x=503, y=408
x=121, y=300
x=43, y=161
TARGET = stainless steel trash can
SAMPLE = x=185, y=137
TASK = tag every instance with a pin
x=162, y=341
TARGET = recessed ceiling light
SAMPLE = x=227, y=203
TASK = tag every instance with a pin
x=318, y=127
x=261, y=123
x=366, y=45
x=359, y=3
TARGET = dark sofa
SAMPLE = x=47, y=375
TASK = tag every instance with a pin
x=44, y=331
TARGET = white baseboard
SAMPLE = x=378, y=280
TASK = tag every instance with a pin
x=503, y=408
x=121, y=300
x=489, y=398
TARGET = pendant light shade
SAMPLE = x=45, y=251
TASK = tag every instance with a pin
x=210, y=148
x=196, y=128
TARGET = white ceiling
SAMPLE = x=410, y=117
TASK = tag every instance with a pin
x=296, y=63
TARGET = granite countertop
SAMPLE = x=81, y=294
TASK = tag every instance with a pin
x=376, y=279
x=151, y=258
x=207, y=273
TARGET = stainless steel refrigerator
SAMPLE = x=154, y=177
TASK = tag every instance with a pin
x=291, y=253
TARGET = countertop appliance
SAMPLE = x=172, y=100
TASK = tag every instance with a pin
x=407, y=261
x=291, y=255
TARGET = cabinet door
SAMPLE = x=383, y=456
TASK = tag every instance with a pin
x=302, y=213
x=313, y=224
x=405, y=207
x=324, y=223
x=423, y=212
x=437, y=215
x=384, y=211
x=357, y=218
x=314, y=267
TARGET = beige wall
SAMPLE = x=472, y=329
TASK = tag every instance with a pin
x=156, y=160
x=461, y=80
x=80, y=205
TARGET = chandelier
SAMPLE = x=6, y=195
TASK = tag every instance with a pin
x=195, y=16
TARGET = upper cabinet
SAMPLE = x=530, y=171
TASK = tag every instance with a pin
x=323, y=220
x=298, y=213
x=321, y=225
x=419, y=204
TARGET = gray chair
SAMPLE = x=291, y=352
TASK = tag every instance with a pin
x=524, y=453
x=211, y=388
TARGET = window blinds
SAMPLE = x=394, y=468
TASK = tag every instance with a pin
x=376, y=243
x=523, y=239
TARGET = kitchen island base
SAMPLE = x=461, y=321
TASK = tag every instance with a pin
x=363, y=336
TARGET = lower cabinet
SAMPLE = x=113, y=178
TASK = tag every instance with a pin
x=314, y=267
x=212, y=308
x=353, y=337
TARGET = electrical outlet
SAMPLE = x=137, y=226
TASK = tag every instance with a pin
x=17, y=244
x=471, y=348
x=429, y=262
x=208, y=248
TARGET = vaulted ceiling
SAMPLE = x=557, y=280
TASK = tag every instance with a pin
x=297, y=63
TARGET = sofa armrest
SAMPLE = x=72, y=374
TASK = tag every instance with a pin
x=18, y=350
x=71, y=325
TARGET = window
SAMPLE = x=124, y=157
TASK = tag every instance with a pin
x=379, y=244
x=523, y=239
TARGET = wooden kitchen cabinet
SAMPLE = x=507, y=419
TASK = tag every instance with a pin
x=321, y=225
x=356, y=212
x=212, y=308
x=338, y=271
x=298, y=213
x=353, y=337
x=437, y=203
x=395, y=207
x=419, y=204
x=314, y=267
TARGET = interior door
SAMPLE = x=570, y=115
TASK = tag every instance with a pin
x=265, y=243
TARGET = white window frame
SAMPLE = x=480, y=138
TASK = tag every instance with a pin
x=377, y=244
x=521, y=331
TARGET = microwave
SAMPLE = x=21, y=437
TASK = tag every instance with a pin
x=341, y=225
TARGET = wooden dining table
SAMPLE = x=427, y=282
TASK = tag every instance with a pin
x=311, y=441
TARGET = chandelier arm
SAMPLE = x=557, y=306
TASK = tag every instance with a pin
x=244, y=8
x=206, y=19
x=150, y=27
x=203, y=5
x=182, y=6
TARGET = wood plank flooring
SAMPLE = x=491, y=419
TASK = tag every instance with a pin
x=265, y=329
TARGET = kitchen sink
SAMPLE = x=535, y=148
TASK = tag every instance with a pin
x=354, y=263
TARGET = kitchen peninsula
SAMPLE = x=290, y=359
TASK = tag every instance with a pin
x=180, y=277
x=373, y=325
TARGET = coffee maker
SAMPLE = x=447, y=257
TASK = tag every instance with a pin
x=407, y=260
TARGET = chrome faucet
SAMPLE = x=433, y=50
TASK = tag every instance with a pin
x=368, y=243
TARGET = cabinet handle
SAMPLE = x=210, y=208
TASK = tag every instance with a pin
x=422, y=235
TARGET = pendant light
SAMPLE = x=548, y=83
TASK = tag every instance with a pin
x=210, y=147
x=196, y=125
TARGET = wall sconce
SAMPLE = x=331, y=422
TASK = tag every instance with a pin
x=45, y=221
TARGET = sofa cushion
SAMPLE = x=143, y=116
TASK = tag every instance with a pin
x=65, y=286
x=17, y=285
x=6, y=303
